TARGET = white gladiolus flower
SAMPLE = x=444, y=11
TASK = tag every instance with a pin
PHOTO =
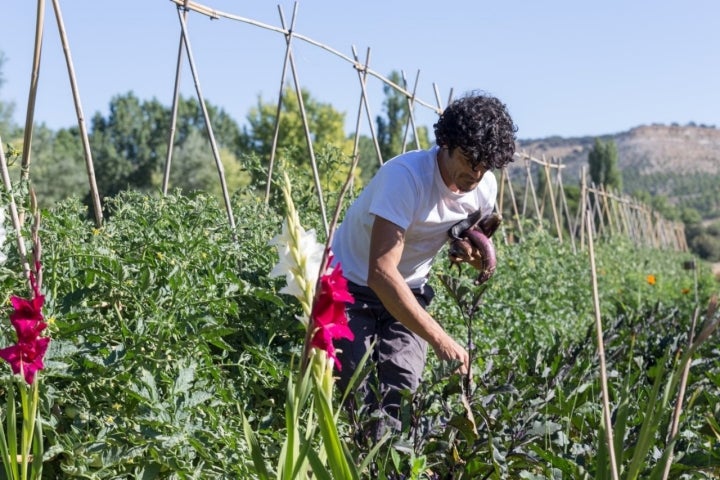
x=300, y=256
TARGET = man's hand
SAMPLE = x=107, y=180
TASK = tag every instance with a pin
x=463, y=250
x=449, y=349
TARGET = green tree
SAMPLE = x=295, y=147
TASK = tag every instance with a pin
x=331, y=146
x=326, y=126
x=611, y=171
x=194, y=169
x=130, y=145
x=603, y=164
x=392, y=126
x=8, y=130
x=58, y=170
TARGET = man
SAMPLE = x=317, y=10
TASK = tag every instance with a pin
x=391, y=234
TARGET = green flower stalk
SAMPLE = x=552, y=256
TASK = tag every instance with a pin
x=322, y=291
x=26, y=360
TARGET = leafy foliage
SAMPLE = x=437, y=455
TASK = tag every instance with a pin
x=166, y=327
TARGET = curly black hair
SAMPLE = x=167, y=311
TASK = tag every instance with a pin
x=480, y=125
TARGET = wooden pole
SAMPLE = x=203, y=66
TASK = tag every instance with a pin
x=362, y=76
x=551, y=194
x=89, y=167
x=583, y=206
x=17, y=224
x=278, y=109
x=208, y=125
x=506, y=172
x=411, y=114
x=32, y=94
x=174, y=111
x=534, y=195
x=564, y=204
x=306, y=128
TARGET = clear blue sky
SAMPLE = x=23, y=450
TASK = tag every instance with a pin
x=565, y=68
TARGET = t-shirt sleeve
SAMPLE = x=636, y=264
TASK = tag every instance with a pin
x=396, y=196
x=488, y=194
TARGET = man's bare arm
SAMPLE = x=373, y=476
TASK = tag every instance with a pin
x=386, y=246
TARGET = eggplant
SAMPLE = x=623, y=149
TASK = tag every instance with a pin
x=475, y=233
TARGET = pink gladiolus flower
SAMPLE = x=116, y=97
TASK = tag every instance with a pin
x=27, y=309
x=329, y=317
x=28, y=330
x=26, y=357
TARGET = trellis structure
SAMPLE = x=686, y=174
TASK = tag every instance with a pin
x=607, y=212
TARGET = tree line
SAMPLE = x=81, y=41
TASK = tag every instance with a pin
x=130, y=147
x=130, y=144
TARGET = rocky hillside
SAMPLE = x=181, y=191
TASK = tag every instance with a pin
x=680, y=163
x=644, y=150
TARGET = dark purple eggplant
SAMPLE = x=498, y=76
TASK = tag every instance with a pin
x=477, y=235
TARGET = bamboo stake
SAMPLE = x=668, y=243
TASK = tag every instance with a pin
x=597, y=213
x=174, y=110
x=358, y=119
x=624, y=215
x=514, y=203
x=601, y=355
x=32, y=94
x=89, y=167
x=14, y=212
x=411, y=115
x=564, y=205
x=551, y=194
x=306, y=128
x=500, y=203
x=362, y=76
x=208, y=125
x=583, y=206
x=215, y=14
x=534, y=195
x=526, y=193
x=437, y=97
x=278, y=110
x=606, y=209
x=677, y=411
x=540, y=181
x=651, y=227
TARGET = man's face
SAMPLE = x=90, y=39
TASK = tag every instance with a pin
x=463, y=177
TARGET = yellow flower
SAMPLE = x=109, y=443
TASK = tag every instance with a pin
x=650, y=279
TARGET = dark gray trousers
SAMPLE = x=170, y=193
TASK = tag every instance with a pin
x=397, y=360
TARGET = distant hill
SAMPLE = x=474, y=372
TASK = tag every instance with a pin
x=679, y=162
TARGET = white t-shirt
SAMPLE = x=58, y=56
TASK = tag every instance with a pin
x=409, y=191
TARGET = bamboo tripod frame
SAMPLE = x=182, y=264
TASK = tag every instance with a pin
x=602, y=212
x=606, y=212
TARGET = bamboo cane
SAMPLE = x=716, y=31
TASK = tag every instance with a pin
x=278, y=110
x=174, y=109
x=306, y=128
x=208, y=125
x=89, y=167
x=362, y=76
